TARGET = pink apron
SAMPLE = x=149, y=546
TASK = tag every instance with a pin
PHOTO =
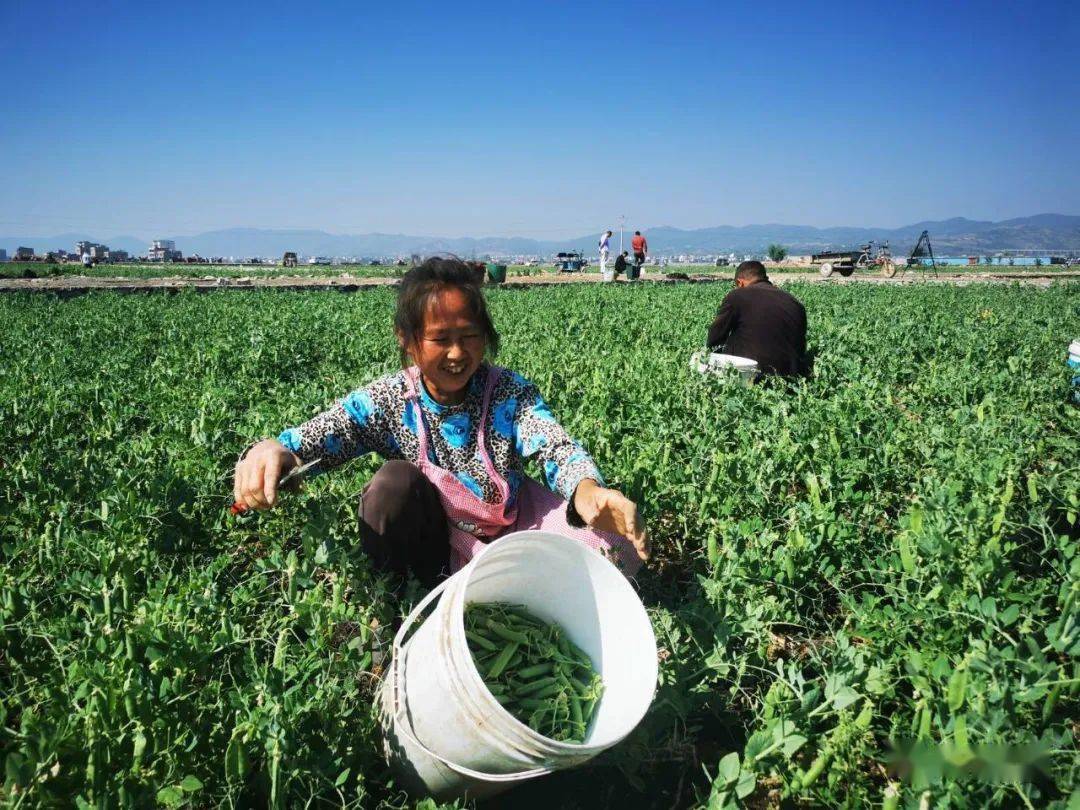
x=473, y=521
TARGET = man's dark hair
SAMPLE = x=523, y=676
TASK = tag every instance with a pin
x=420, y=286
x=752, y=270
x=637, y=233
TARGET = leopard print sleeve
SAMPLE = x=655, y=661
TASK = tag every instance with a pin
x=354, y=426
x=565, y=462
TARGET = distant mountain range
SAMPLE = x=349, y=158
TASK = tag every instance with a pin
x=958, y=236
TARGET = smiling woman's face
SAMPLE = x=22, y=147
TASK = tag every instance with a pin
x=450, y=346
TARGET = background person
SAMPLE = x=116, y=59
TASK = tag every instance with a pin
x=455, y=432
x=640, y=245
x=605, y=250
x=620, y=263
x=761, y=322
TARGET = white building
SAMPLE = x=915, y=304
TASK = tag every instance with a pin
x=91, y=248
x=163, y=250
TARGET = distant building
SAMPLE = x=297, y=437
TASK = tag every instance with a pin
x=96, y=252
x=164, y=250
x=24, y=254
x=118, y=256
x=3, y=255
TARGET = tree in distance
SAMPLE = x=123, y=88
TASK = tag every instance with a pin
x=777, y=253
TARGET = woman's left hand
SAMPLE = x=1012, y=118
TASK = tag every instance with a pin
x=610, y=511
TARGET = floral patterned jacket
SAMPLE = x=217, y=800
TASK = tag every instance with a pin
x=379, y=418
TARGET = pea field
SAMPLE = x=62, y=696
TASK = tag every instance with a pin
x=865, y=587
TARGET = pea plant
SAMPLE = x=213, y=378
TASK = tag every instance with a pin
x=864, y=587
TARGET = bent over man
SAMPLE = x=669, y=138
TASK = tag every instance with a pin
x=762, y=322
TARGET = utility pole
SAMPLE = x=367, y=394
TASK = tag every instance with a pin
x=622, y=224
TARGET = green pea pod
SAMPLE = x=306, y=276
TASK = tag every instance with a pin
x=546, y=691
x=1051, y=702
x=506, y=633
x=533, y=686
x=502, y=660
x=521, y=613
x=815, y=769
x=588, y=708
x=535, y=721
x=580, y=686
x=575, y=711
x=528, y=673
x=480, y=640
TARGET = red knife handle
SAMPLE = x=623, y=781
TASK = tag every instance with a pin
x=238, y=508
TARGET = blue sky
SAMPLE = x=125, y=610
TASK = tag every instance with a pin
x=545, y=120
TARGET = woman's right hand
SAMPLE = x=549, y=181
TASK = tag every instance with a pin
x=255, y=482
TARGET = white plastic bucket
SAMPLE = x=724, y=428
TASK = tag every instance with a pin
x=608, y=275
x=724, y=365
x=445, y=734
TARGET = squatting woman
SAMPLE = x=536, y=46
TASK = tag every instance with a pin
x=455, y=431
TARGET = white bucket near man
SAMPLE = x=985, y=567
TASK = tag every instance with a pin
x=446, y=735
x=725, y=365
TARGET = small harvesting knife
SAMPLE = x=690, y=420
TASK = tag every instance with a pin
x=239, y=508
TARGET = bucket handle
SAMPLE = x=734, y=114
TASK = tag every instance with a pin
x=401, y=724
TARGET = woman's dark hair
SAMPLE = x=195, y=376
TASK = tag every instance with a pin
x=423, y=282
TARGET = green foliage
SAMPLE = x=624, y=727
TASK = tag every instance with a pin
x=882, y=555
x=777, y=253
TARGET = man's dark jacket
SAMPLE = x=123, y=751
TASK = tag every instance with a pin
x=766, y=324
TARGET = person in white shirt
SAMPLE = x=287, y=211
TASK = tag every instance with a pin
x=605, y=250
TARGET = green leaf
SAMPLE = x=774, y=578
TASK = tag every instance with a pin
x=865, y=717
x=13, y=768
x=344, y=775
x=844, y=698
x=729, y=767
x=171, y=796
x=876, y=683
x=839, y=693
x=792, y=743
x=745, y=786
x=190, y=783
x=758, y=742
